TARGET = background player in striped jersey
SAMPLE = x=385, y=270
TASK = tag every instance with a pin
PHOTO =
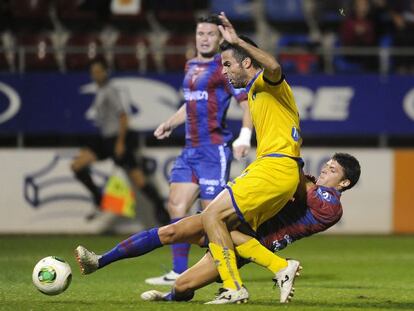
x=315, y=208
x=202, y=169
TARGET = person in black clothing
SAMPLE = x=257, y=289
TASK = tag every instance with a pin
x=115, y=142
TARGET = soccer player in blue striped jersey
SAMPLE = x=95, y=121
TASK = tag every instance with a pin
x=202, y=169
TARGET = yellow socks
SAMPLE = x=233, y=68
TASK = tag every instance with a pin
x=259, y=254
x=225, y=260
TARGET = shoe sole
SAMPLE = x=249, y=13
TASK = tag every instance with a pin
x=292, y=290
x=150, y=296
x=77, y=256
x=239, y=302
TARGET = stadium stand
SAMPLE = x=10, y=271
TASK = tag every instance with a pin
x=185, y=47
x=39, y=53
x=77, y=17
x=303, y=60
x=7, y=52
x=82, y=48
x=29, y=14
x=133, y=53
x=44, y=35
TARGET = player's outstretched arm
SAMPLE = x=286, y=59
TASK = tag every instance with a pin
x=272, y=69
x=165, y=129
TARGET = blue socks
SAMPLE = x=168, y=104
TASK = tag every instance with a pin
x=142, y=243
x=136, y=245
x=180, y=254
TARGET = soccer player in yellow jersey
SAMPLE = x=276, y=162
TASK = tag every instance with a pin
x=270, y=181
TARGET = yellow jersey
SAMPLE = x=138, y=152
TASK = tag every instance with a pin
x=275, y=117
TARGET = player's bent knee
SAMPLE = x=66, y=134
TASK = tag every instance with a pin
x=176, y=210
x=210, y=216
x=182, y=284
x=168, y=234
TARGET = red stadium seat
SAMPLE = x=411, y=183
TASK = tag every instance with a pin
x=30, y=8
x=174, y=10
x=130, y=50
x=175, y=15
x=81, y=49
x=178, y=49
x=303, y=63
x=75, y=17
x=30, y=14
x=39, y=52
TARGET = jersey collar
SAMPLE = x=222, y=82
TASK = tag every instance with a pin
x=337, y=192
x=249, y=85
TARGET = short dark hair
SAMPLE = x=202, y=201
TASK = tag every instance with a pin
x=239, y=53
x=210, y=19
x=99, y=61
x=352, y=169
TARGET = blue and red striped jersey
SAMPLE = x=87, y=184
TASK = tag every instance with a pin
x=297, y=219
x=207, y=94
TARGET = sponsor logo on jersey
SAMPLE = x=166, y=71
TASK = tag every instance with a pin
x=209, y=182
x=325, y=195
x=195, y=95
x=295, y=134
x=282, y=243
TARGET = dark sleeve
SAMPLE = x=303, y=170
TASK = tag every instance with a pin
x=274, y=83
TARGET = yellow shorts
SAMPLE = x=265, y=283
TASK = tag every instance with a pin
x=264, y=188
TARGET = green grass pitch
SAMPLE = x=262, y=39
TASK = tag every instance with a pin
x=339, y=273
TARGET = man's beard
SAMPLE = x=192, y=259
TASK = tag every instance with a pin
x=238, y=85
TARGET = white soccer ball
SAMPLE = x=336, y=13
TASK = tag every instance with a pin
x=52, y=275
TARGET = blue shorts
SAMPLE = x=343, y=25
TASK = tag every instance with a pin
x=207, y=166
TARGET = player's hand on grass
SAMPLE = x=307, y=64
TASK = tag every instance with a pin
x=227, y=30
x=164, y=130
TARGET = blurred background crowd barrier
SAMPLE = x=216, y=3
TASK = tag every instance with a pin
x=350, y=64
